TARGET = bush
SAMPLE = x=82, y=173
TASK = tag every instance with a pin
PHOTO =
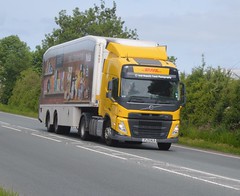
x=26, y=91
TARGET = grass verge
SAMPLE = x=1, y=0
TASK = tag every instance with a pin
x=219, y=139
x=4, y=192
x=13, y=110
x=208, y=145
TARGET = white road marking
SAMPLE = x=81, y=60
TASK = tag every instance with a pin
x=207, y=152
x=124, y=153
x=4, y=123
x=66, y=138
x=12, y=128
x=196, y=178
x=33, y=130
x=18, y=115
x=48, y=138
x=100, y=152
x=174, y=169
x=213, y=175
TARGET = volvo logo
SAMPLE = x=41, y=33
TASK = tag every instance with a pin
x=151, y=107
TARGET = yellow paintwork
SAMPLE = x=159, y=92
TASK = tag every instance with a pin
x=123, y=51
x=120, y=55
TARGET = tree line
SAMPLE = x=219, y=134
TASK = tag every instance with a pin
x=213, y=96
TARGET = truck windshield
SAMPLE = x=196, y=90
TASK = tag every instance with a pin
x=152, y=91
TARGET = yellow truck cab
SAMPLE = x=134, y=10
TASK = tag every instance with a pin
x=125, y=90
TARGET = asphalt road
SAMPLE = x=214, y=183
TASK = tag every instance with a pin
x=34, y=162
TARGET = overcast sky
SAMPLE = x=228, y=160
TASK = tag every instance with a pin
x=189, y=28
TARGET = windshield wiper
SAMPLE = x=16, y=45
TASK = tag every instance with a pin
x=165, y=101
x=140, y=99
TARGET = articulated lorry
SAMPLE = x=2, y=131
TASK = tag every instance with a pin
x=117, y=89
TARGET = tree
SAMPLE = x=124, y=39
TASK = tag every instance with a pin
x=26, y=92
x=99, y=21
x=15, y=56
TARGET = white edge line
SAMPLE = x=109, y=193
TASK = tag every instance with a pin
x=18, y=115
x=28, y=129
x=208, y=152
x=4, y=123
x=124, y=153
x=12, y=128
x=48, y=138
x=102, y=152
x=210, y=174
x=66, y=138
x=196, y=178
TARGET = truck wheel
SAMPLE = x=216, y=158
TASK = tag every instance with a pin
x=57, y=128
x=164, y=146
x=83, y=129
x=107, y=132
x=48, y=125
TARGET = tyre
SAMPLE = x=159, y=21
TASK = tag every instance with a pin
x=57, y=128
x=83, y=129
x=48, y=125
x=107, y=132
x=164, y=146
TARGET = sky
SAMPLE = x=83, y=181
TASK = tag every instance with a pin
x=189, y=28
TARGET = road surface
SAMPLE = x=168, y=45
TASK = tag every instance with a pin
x=34, y=162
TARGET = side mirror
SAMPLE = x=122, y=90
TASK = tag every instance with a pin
x=110, y=85
x=183, y=94
x=112, y=90
x=109, y=90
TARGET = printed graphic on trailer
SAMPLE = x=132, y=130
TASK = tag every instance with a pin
x=68, y=77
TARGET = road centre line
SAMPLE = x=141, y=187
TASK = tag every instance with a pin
x=66, y=138
x=196, y=178
x=111, y=155
x=206, y=177
x=124, y=153
x=174, y=169
x=48, y=138
x=12, y=128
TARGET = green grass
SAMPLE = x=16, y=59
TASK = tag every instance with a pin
x=202, y=144
x=14, y=110
x=4, y=192
x=218, y=139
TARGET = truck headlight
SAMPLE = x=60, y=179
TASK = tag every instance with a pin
x=175, y=131
x=121, y=127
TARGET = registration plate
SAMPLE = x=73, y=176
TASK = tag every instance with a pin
x=148, y=140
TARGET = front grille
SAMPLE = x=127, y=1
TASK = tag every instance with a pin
x=157, y=129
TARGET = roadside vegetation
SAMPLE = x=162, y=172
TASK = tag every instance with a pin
x=4, y=192
x=210, y=119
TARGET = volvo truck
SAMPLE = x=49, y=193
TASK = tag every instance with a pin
x=117, y=89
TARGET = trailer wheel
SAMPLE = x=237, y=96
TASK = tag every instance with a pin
x=83, y=129
x=57, y=128
x=164, y=146
x=107, y=132
x=48, y=125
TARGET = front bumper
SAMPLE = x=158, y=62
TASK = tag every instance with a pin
x=124, y=138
